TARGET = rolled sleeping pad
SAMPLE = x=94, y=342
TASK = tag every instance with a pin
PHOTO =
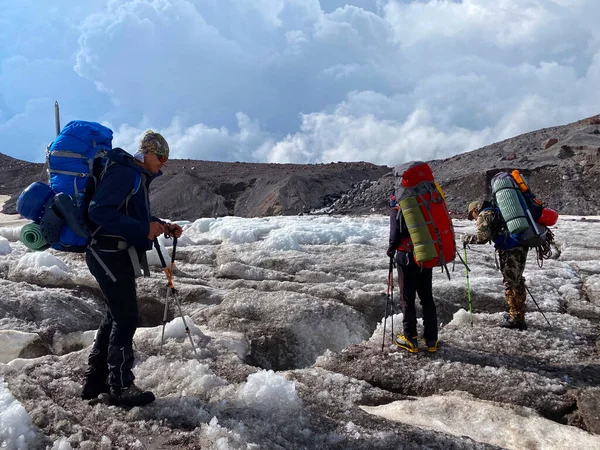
x=31, y=237
x=72, y=214
x=32, y=201
x=507, y=197
x=424, y=246
x=548, y=217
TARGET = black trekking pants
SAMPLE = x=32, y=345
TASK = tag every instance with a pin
x=418, y=281
x=112, y=354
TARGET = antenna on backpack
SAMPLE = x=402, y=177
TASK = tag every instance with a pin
x=57, y=118
x=45, y=173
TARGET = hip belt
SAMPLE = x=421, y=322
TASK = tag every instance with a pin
x=114, y=244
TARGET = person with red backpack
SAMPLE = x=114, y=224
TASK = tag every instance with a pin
x=421, y=237
x=412, y=280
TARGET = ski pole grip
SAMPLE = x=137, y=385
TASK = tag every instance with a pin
x=160, y=255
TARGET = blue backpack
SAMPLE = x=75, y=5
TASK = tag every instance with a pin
x=77, y=159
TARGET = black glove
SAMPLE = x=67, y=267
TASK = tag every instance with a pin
x=391, y=252
x=402, y=258
x=465, y=240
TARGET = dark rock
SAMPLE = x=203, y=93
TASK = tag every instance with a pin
x=564, y=152
x=549, y=143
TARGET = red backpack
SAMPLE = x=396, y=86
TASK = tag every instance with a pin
x=426, y=215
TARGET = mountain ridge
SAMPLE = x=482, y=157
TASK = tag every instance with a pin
x=560, y=163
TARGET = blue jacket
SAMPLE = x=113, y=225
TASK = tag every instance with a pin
x=132, y=220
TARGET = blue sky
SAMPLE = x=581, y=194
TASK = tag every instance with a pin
x=300, y=81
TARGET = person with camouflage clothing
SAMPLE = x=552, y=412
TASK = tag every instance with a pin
x=512, y=262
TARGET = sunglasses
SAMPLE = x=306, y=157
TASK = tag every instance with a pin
x=162, y=159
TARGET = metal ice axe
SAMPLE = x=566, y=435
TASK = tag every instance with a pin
x=171, y=290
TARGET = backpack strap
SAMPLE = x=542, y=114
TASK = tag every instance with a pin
x=136, y=186
x=75, y=155
x=399, y=217
x=106, y=269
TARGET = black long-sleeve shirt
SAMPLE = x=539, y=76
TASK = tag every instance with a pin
x=398, y=229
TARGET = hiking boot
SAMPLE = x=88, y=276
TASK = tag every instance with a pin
x=432, y=345
x=514, y=324
x=93, y=388
x=410, y=345
x=130, y=396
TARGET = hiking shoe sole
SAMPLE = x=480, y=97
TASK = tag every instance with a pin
x=90, y=394
x=514, y=325
x=130, y=396
x=432, y=347
x=406, y=345
x=140, y=400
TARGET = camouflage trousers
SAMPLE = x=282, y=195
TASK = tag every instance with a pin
x=512, y=265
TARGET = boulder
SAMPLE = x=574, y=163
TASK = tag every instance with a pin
x=549, y=143
x=564, y=152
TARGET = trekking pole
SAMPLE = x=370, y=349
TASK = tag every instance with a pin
x=387, y=300
x=392, y=262
x=164, y=322
x=166, y=310
x=171, y=289
x=538, y=306
x=464, y=263
x=467, y=270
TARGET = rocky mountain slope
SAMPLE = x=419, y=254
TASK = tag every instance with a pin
x=190, y=189
x=560, y=163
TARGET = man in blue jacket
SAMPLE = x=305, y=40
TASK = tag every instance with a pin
x=120, y=209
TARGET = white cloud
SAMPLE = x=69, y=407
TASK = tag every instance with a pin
x=344, y=137
x=299, y=80
x=210, y=142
